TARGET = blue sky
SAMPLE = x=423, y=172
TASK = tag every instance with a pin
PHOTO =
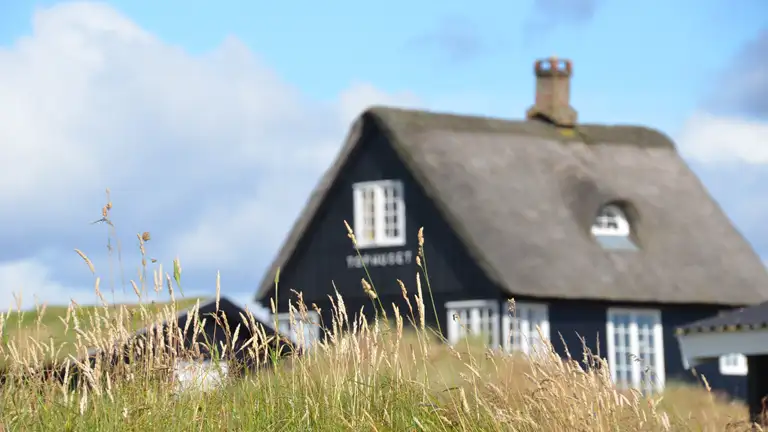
x=191, y=112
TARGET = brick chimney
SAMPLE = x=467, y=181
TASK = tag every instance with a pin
x=553, y=91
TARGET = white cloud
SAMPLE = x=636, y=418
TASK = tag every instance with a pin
x=718, y=139
x=730, y=155
x=213, y=153
x=29, y=281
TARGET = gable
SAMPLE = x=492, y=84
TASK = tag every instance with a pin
x=324, y=256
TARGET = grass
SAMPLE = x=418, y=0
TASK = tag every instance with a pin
x=392, y=373
x=25, y=328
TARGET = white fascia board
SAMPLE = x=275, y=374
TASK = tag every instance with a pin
x=698, y=348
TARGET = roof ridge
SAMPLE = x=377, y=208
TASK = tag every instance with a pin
x=400, y=119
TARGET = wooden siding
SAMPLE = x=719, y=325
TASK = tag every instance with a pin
x=758, y=386
x=588, y=320
x=321, y=259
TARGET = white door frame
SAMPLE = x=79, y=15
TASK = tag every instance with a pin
x=658, y=371
x=529, y=328
x=473, y=308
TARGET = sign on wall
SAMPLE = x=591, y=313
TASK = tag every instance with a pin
x=384, y=259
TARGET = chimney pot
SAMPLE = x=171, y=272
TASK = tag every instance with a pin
x=553, y=91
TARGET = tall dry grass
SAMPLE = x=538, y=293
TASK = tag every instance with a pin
x=392, y=373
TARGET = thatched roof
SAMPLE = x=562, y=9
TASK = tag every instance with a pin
x=212, y=335
x=216, y=332
x=125, y=350
x=522, y=196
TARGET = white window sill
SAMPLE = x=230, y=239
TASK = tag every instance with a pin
x=384, y=244
x=733, y=372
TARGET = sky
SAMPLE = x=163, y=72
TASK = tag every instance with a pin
x=211, y=122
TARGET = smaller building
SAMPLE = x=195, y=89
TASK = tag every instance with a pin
x=220, y=323
x=738, y=339
x=206, y=369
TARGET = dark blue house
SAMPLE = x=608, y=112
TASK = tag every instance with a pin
x=600, y=232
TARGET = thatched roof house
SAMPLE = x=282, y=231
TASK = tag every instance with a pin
x=596, y=231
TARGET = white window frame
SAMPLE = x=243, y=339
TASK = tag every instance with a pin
x=527, y=329
x=457, y=330
x=611, y=214
x=636, y=368
x=311, y=328
x=733, y=364
x=202, y=375
x=380, y=237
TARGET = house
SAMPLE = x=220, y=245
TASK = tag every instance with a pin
x=738, y=339
x=215, y=334
x=597, y=232
x=214, y=342
x=204, y=370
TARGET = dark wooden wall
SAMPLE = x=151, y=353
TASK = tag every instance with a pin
x=588, y=319
x=322, y=255
x=757, y=385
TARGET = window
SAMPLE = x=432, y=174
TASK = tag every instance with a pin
x=611, y=222
x=309, y=327
x=733, y=364
x=379, y=213
x=519, y=328
x=473, y=318
x=199, y=375
x=636, y=349
x=611, y=229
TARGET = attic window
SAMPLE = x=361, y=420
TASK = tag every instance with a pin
x=379, y=213
x=612, y=230
x=611, y=222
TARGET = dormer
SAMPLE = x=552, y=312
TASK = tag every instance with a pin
x=612, y=229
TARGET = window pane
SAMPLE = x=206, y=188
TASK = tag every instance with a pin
x=622, y=352
x=369, y=214
x=391, y=194
x=523, y=333
x=610, y=221
x=487, y=325
x=474, y=322
x=645, y=364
